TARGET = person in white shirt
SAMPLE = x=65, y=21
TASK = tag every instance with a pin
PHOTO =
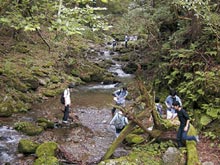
x=67, y=102
x=171, y=113
x=119, y=97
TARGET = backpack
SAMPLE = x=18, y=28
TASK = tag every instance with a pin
x=117, y=93
x=118, y=123
x=62, y=99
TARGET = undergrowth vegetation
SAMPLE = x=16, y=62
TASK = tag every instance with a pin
x=180, y=40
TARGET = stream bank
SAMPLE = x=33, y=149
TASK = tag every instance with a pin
x=84, y=142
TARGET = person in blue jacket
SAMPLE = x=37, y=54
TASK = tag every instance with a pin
x=119, y=97
x=171, y=113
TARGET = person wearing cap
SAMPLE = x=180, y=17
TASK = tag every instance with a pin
x=184, y=125
x=67, y=102
x=171, y=113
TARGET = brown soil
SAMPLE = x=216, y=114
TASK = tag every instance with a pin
x=209, y=150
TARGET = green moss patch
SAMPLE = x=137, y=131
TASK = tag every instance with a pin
x=27, y=147
x=28, y=128
x=46, y=149
x=47, y=160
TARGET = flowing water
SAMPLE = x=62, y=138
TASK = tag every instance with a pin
x=86, y=144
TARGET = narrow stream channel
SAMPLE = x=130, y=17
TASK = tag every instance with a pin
x=86, y=144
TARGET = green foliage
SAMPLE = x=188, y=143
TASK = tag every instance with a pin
x=155, y=148
x=205, y=119
x=210, y=135
x=71, y=18
x=212, y=110
x=188, y=73
x=206, y=11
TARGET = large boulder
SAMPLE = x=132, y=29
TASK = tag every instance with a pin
x=172, y=156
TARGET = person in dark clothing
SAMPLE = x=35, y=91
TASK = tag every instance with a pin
x=184, y=125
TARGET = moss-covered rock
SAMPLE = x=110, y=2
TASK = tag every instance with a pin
x=38, y=71
x=45, y=123
x=130, y=68
x=30, y=81
x=50, y=93
x=18, y=85
x=28, y=128
x=134, y=139
x=192, y=154
x=54, y=79
x=22, y=47
x=6, y=109
x=138, y=131
x=47, y=160
x=27, y=146
x=21, y=106
x=125, y=57
x=46, y=149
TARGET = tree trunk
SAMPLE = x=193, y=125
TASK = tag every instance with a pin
x=117, y=141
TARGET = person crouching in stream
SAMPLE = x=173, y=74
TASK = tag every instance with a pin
x=119, y=121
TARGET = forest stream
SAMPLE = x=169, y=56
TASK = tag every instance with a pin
x=84, y=144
